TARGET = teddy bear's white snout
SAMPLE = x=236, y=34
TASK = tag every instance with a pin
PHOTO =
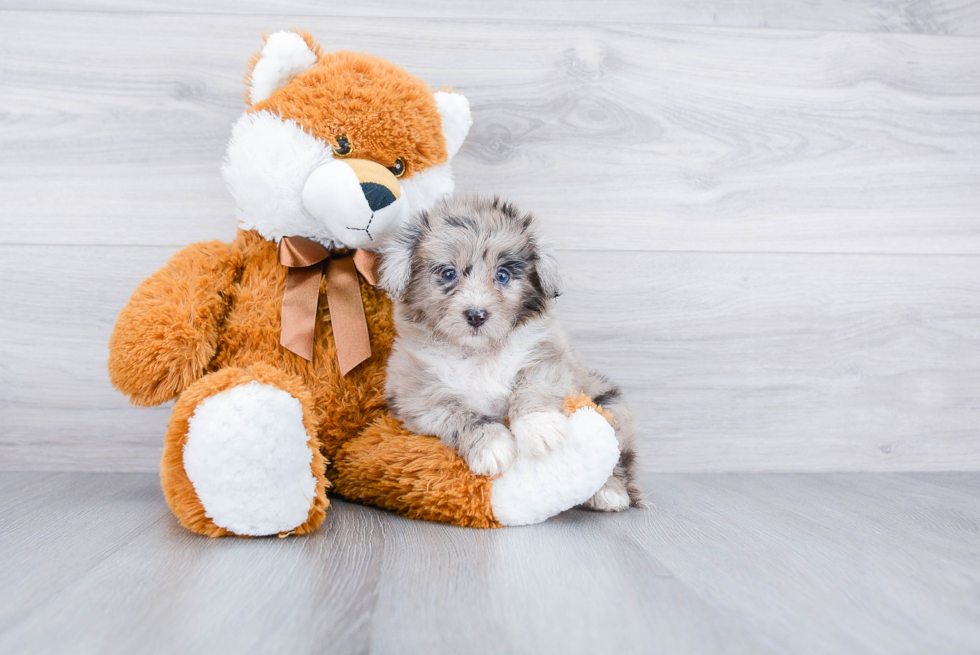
x=357, y=200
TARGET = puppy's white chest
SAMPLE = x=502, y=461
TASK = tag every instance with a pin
x=484, y=385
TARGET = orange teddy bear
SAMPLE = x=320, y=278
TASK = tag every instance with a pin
x=274, y=345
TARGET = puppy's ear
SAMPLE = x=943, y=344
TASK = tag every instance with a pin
x=397, y=253
x=549, y=273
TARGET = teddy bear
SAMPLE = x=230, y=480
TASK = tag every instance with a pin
x=273, y=346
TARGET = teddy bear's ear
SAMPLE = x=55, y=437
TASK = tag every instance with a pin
x=285, y=55
x=454, y=110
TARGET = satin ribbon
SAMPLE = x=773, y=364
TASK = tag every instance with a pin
x=307, y=260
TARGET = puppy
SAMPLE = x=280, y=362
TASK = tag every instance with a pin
x=479, y=359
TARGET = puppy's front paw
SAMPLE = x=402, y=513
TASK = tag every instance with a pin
x=491, y=450
x=539, y=432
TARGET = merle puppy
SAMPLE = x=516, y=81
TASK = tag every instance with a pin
x=480, y=360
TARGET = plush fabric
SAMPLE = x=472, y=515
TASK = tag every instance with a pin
x=417, y=477
x=177, y=486
x=204, y=330
x=534, y=489
x=384, y=112
x=248, y=455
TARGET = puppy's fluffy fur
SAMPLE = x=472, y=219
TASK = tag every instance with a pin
x=480, y=360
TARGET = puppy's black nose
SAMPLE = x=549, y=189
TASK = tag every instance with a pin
x=378, y=195
x=476, y=317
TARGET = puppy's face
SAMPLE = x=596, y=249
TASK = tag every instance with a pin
x=471, y=270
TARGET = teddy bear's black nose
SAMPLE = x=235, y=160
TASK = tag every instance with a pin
x=476, y=317
x=378, y=195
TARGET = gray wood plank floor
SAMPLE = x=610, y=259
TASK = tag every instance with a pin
x=723, y=563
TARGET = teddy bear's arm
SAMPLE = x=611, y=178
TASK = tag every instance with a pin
x=167, y=333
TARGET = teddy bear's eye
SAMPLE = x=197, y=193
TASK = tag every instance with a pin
x=398, y=169
x=343, y=147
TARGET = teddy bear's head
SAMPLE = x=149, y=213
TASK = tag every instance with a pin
x=338, y=147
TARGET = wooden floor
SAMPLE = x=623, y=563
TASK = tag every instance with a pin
x=723, y=563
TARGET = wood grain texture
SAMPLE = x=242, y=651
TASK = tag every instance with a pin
x=933, y=17
x=58, y=526
x=731, y=361
x=812, y=558
x=747, y=563
x=626, y=136
x=771, y=236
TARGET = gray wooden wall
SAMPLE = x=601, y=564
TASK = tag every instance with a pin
x=769, y=211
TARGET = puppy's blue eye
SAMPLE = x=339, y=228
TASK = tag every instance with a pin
x=503, y=275
x=449, y=274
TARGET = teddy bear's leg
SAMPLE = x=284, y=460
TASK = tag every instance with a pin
x=537, y=488
x=421, y=478
x=415, y=476
x=241, y=455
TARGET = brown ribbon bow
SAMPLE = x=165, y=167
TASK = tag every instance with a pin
x=307, y=261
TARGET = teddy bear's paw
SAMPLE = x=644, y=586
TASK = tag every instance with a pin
x=248, y=457
x=491, y=450
x=534, y=489
x=613, y=497
x=539, y=433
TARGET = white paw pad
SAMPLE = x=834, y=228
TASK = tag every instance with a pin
x=536, y=488
x=247, y=456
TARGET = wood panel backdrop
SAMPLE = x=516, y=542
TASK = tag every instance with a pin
x=768, y=211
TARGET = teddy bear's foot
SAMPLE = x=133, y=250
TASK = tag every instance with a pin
x=422, y=478
x=536, y=488
x=241, y=455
